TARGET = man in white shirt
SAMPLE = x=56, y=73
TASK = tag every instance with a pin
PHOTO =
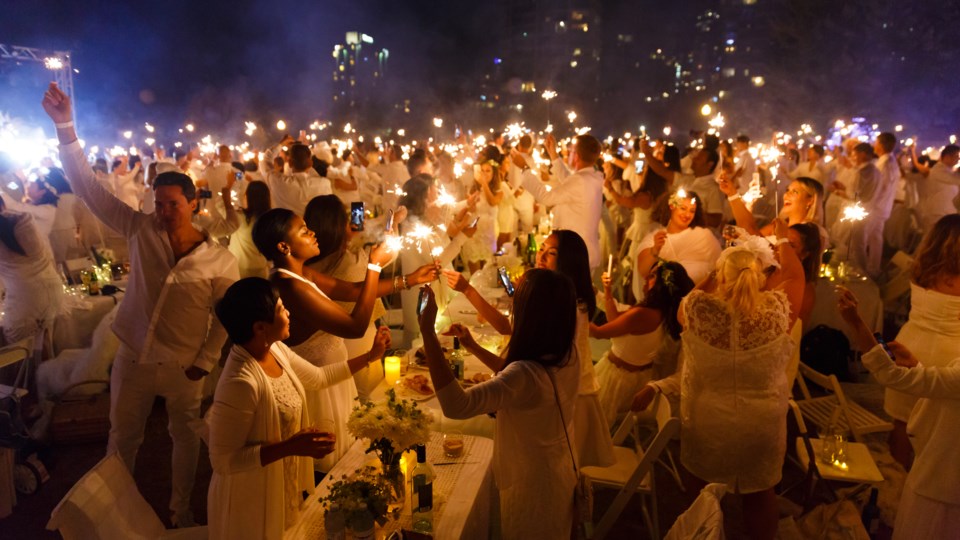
x=866, y=237
x=744, y=164
x=169, y=336
x=939, y=189
x=577, y=198
x=394, y=173
x=295, y=189
x=215, y=177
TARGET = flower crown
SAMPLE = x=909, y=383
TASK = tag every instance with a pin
x=757, y=245
x=680, y=195
x=667, y=276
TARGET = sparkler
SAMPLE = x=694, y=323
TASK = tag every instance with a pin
x=127, y=134
x=281, y=125
x=571, y=116
x=438, y=122
x=148, y=127
x=444, y=198
x=854, y=212
x=251, y=127
x=189, y=127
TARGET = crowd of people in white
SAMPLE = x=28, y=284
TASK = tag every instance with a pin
x=714, y=258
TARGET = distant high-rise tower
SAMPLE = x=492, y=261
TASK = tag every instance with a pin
x=358, y=78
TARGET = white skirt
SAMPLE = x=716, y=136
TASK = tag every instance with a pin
x=921, y=517
x=617, y=388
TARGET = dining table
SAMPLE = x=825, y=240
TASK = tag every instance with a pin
x=465, y=499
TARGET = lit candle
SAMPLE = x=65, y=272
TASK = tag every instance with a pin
x=391, y=369
x=609, y=264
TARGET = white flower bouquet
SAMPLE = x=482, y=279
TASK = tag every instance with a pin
x=392, y=427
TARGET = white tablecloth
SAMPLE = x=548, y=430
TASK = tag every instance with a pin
x=463, y=492
x=825, y=309
x=74, y=329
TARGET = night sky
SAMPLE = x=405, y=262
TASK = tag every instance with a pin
x=217, y=62
x=211, y=58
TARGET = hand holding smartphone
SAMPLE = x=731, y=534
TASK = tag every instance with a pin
x=356, y=216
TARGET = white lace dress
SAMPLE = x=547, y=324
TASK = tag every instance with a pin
x=932, y=334
x=618, y=385
x=289, y=407
x=733, y=390
x=333, y=403
x=34, y=292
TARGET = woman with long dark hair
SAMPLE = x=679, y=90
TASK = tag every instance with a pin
x=643, y=337
x=533, y=396
x=34, y=292
x=565, y=252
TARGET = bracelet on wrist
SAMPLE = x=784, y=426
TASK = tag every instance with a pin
x=375, y=267
x=734, y=197
x=64, y=125
x=405, y=284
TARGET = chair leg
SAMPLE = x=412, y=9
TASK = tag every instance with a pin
x=672, y=469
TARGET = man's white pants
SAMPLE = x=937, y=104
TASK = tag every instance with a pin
x=133, y=387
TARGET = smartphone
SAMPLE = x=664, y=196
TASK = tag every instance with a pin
x=883, y=344
x=505, y=280
x=422, y=300
x=474, y=222
x=239, y=176
x=638, y=165
x=204, y=194
x=389, y=224
x=356, y=216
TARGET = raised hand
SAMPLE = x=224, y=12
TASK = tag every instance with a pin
x=381, y=342
x=428, y=318
x=461, y=332
x=424, y=274
x=57, y=104
x=455, y=280
x=659, y=239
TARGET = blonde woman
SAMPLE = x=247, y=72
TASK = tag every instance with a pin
x=732, y=380
x=802, y=203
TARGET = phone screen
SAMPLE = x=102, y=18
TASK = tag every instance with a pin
x=638, y=165
x=422, y=301
x=356, y=216
x=474, y=222
x=389, y=224
x=883, y=344
x=505, y=280
x=239, y=176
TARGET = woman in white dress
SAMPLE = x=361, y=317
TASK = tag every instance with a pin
x=645, y=198
x=320, y=325
x=448, y=229
x=565, y=252
x=251, y=262
x=34, y=292
x=732, y=380
x=344, y=255
x=480, y=247
x=930, y=504
x=260, y=434
x=932, y=331
x=682, y=237
x=533, y=398
x=640, y=336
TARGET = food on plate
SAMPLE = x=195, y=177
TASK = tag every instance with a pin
x=419, y=384
x=479, y=377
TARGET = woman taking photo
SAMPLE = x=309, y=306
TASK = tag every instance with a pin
x=533, y=397
x=643, y=337
x=565, y=252
x=260, y=434
x=481, y=246
x=319, y=324
x=343, y=255
x=682, y=237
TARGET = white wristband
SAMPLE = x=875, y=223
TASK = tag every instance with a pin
x=733, y=197
x=64, y=125
x=375, y=267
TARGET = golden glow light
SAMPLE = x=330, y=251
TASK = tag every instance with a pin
x=706, y=110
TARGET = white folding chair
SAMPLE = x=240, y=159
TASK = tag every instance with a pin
x=860, y=467
x=105, y=504
x=703, y=520
x=632, y=473
x=820, y=410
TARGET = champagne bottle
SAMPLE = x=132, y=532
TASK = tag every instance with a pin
x=456, y=360
x=422, y=504
x=531, y=250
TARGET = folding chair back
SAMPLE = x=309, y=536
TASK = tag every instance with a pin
x=820, y=410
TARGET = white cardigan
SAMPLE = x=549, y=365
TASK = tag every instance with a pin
x=933, y=425
x=245, y=499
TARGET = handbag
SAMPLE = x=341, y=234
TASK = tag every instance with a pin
x=583, y=491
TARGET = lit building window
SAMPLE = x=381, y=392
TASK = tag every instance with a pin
x=758, y=81
x=528, y=86
x=576, y=52
x=729, y=72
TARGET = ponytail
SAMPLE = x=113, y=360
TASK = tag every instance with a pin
x=740, y=280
